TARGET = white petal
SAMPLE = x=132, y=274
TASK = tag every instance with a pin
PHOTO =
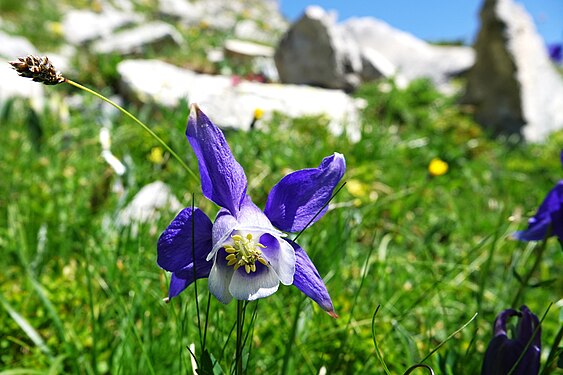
x=281, y=256
x=223, y=227
x=253, y=285
x=219, y=280
x=250, y=216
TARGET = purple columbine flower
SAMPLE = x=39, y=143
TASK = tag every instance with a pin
x=548, y=220
x=502, y=352
x=245, y=252
x=555, y=52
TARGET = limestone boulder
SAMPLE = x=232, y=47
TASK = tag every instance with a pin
x=83, y=26
x=513, y=86
x=155, y=35
x=315, y=51
x=12, y=47
x=14, y=86
x=412, y=58
x=231, y=103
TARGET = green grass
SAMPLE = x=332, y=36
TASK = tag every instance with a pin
x=431, y=251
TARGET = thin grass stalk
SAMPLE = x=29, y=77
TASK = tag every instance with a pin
x=553, y=354
x=418, y=365
x=240, y=324
x=524, y=282
x=448, y=339
x=250, y=332
x=377, y=351
x=487, y=266
x=92, y=314
x=319, y=212
x=206, y=321
x=195, y=276
x=364, y=274
x=291, y=338
x=139, y=122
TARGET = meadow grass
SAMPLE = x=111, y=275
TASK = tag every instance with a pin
x=81, y=294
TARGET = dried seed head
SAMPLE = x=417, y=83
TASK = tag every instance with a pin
x=38, y=69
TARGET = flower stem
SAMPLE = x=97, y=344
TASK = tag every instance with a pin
x=139, y=122
x=291, y=339
x=240, y=324
x=528, y=276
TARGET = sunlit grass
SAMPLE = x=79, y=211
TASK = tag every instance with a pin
x=431, y=251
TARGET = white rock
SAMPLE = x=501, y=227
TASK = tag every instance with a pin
x=82, y=26
x=249, y=49
x=131, y=41
x=232, y=104
x=412, y=57
x=12, y=47
x=249, y=30
x=183, y=10
x=148, y=204
x=14, y=86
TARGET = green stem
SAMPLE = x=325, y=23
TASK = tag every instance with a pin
x=139, y=122
x=528, y=276
x=240, y=324
x=291, y=339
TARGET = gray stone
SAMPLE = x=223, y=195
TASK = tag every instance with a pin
x=12, y=47
x=232, y=103
x=412, y=57
x=513, y=85
x=132, y=41
x=375, y=65
x=315, y=51
x=82, y=26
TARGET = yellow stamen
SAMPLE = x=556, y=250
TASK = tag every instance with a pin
x=244, y=251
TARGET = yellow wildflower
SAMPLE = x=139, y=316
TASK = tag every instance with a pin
x=437, y=167
x=258, y=113
x=156, y=156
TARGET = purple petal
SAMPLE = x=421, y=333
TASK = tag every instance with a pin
x=548, y=217
x=175, y=250
x=501, y=319
x=182, y=279
x=222, y=178
x=500, y=356
x=308, y=280
x=503, y=352
x=300, y=195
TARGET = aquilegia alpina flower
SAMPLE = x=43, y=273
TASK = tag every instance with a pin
x=245, y=253
x=548, y=220
x=503, y=353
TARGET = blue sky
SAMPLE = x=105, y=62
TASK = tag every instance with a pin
x=435, y=20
